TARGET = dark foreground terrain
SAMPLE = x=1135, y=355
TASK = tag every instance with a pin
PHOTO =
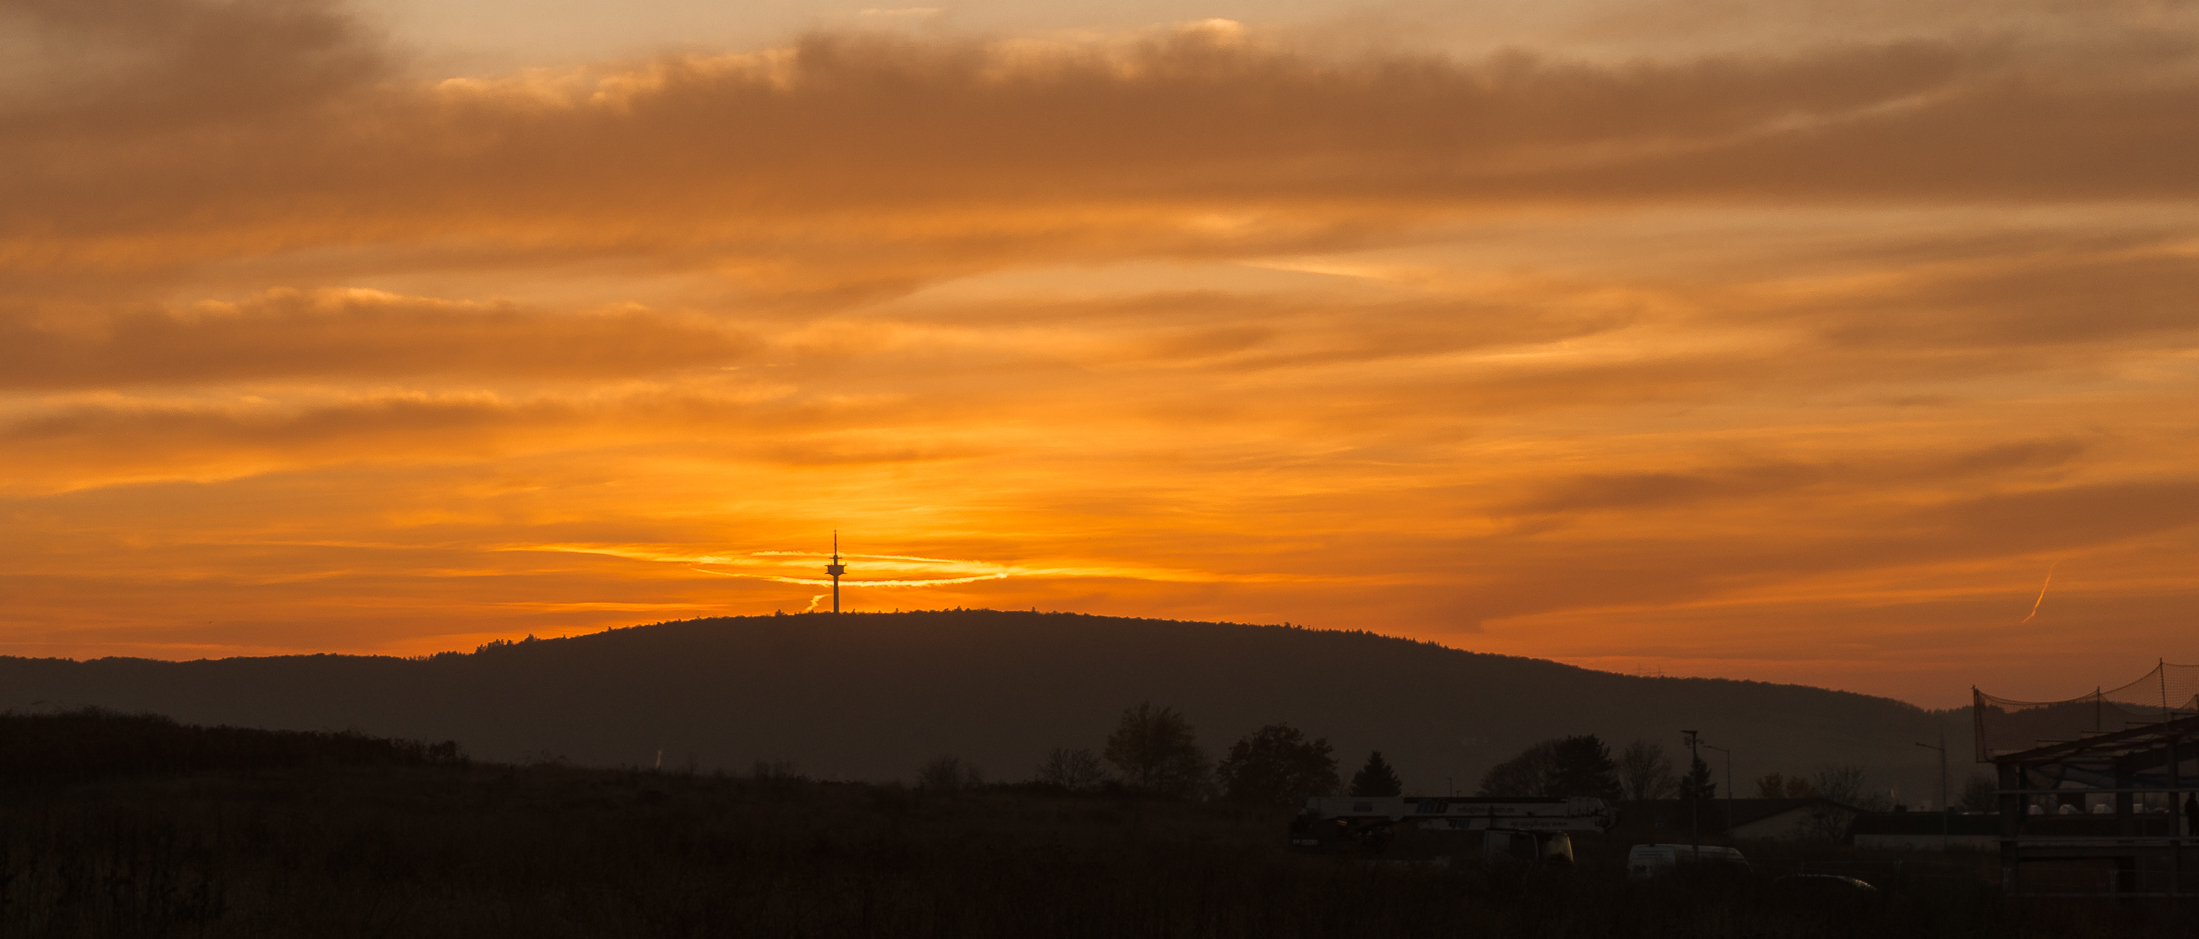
x=113, y=826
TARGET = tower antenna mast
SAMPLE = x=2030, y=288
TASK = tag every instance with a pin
x=836, y=569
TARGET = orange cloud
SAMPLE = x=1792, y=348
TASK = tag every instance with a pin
x=349, y=334
x=866, y=163
x=1791, y=361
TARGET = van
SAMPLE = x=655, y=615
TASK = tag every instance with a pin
x=1649, y=860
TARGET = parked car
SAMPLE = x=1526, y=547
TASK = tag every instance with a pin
x=1823, y=885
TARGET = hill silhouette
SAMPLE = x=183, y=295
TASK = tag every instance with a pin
x=873, y=695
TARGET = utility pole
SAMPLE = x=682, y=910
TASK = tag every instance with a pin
x=1694, y=803
x=1729, y=789
x=1944, y=808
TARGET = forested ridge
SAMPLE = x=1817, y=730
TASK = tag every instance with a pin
x=876, y=695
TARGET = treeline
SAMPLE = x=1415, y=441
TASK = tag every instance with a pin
x=1585, y=766
x=1154, y=751
x=73, y=746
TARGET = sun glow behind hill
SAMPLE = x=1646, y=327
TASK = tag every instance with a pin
x=1757, y=350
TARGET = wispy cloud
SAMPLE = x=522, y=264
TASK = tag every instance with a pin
x=1649, y=340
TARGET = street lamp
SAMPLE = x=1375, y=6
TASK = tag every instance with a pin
x=1943, y=823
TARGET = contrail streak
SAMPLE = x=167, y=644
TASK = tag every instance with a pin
x=814, y=582
x=2042, y=593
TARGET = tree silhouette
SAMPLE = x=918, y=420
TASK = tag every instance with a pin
x=1566, y=766
x=1646, y=772
x=1155, y=750
x=1075, y=770
x=1848, y=785
x=949, y=773
x=1782, y=786
x=1584, y=768
x=1531, y=774
x=1376, y=778
x=1277, y=765
x=1696, y=784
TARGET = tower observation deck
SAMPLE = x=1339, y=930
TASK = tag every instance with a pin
x=836, y=569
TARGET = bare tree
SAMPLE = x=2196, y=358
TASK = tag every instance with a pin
x=1075, y=770
x=1646, y=773
x=1848, y=784
x=947, y=774
x=1155, y=750
x=1841, y=783
x=1782, y=786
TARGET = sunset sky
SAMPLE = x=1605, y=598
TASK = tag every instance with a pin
x=1792, y=340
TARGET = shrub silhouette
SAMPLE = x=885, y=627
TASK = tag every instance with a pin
x=1074, y=770
x=947, y=774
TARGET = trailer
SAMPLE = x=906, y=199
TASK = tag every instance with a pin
x=1531, y=830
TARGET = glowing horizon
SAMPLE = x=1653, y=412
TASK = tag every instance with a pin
x=1804, y=343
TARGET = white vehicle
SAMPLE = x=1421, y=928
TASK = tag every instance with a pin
x=1511, y=829
x=1649, y=860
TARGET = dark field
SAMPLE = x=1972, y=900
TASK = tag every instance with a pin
x=328, y=835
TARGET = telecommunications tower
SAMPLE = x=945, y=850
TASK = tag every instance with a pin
x=836, y=569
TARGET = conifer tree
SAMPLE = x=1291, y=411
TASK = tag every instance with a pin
x=1376, y=778
x=1697, y=784
x=1585, y=768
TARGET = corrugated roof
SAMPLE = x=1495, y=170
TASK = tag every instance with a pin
x=2107, y=745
